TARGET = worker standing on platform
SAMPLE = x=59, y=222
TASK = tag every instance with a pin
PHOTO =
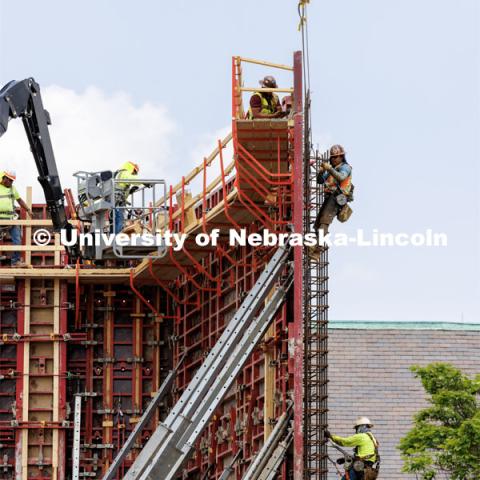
x=8, y=196
x=265, y=104
x=366, y=450
x=128, y=171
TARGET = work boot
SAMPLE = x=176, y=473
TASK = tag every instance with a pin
x=315, y=251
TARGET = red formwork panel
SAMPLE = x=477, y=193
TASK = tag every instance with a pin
x=124, y=358
x=9, y=373
x=238, y=423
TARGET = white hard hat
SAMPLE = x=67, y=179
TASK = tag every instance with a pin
x=11, y=174
x=363, y=421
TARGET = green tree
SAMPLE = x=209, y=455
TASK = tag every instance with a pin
x=444, y=442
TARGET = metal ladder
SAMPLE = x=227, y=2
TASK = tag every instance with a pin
x=173, y=441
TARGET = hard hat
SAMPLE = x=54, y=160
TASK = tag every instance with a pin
x=337, y=151
x=130, y=166
x=11, y=174
x=268, y=82
x=363, y=421
x=135, y=166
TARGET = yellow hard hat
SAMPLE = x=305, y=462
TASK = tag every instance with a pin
x=11, y=174
x=362, y=421
x=131, y=166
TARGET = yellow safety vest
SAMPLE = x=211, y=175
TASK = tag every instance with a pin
x=268, y=107
x=7, y=202
x=365, y=443
x=124, y=174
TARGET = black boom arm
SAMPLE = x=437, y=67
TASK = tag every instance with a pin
x=23, y=99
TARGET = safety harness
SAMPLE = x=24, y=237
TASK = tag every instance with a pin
x=370, y=472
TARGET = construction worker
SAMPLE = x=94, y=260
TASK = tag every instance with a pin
x=336, y=177
x=265, y=104
x=128, y=171
x=8, y=196
x=366, y=450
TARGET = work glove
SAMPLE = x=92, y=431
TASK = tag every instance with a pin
x=327, y=434
x=326, y=166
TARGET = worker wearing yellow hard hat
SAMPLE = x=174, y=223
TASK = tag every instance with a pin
x=8, y=196
x=128, y=171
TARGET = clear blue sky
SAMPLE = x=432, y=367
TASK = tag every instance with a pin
x=396, y=82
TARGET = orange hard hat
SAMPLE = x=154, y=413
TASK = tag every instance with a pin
x=10, y=174
x=337, y=151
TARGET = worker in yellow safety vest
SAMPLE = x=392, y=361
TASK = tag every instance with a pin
x=8, y=196
x=265, y=104
x=366, y=458
x=128, y=171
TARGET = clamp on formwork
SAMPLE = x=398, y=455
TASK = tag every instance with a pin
x=174, y=439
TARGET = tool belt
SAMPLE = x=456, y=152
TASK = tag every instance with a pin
x=370, y=472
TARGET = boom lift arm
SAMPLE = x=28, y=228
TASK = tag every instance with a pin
x=23, y=99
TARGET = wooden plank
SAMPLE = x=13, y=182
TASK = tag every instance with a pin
x=28, y=228
x=28, y=222
x=266, y=90
x=56, y=377
x=26, y=380
x=264, y=63
x=262, y=124
x=31, y=248
x=56, y=255
x=99, y=274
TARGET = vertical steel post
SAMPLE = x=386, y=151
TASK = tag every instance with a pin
x=298, y=207
x=77, y=421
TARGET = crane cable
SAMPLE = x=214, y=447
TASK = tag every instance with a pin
x=303, y=28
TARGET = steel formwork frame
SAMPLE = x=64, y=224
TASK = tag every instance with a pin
x=37, y=378
x=117, y=369
x=117, y=345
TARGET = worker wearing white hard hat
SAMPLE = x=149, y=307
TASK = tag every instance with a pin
x=8, y=196
x=367, y=459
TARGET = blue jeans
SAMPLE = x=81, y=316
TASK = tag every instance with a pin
x=16, y=235
x=119, y=216
x=354, y=475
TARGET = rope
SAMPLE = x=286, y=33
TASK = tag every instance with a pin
x=340, y=474
x=303, y=27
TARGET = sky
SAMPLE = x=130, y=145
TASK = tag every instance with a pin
x=396, y=83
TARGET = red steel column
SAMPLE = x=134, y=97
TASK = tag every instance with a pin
x=298, y=200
